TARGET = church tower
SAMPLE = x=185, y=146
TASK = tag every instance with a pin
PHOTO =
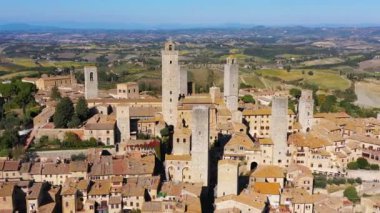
x=306, y=110
x=170, y=83
x=231, y=84
x=199, y=144
x=279, y=123
x=90, y=82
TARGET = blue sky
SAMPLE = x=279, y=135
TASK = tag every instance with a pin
x=120, y=13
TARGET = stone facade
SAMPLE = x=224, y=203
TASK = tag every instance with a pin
x=170, y=83
x=128, y=90
x=231, y=84
x=200, y=144
x=123, y=122
x=305, y=110
x=227, y=178
x=47, y=83
x=181, y=141
x=90, y=82
x=279, y=129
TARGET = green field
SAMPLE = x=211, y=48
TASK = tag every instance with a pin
x=326, y=79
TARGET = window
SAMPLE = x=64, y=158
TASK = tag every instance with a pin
x=170, y=62
x=91, y=76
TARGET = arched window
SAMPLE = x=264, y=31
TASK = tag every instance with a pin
x=170, y=47
x=91, y=76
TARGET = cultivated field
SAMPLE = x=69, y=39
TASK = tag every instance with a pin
x=368, y=93
x=325, y=79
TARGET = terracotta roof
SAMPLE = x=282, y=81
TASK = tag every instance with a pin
x=177, y=189
x=365, y=139
x=35, y=191
x=6, y=189
x=132, y=189
x=101, y=122
x=265, y=141
x=267, y=188
x=144, y=111
x=307, y=140
x=241, y=139
x=242, y=198
x=55, y=169
x=36, y=168
x=100, y=187
x=262, y=111
x=331, y=115
x=298, y=196
x=224, y=112
x=78, y=166
x=11, y=165
x=178, y=157
x=268, y=171
x=47, y=208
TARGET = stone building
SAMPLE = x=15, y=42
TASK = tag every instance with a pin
x=279, y=125
x=102, y=128
x=128, y=90
x=48, y=82
x=227, y=178
x=90, y=82
x=306, y=110
x=259, y=121
x=123, y=122
x=181, y=141
x=172, y=78
x=200, y=144
x=231, y=84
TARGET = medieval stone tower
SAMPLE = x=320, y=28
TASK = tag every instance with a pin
x=279, y=129
x=227, y=178
x=90, y=82
x=306, y=110
x=199, y=144
x=123, y=122
x=231, y=84
x=174, y=83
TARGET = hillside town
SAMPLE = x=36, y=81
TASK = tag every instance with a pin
x=184, y=151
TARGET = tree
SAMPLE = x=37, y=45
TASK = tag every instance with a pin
x=351, y=193
x=320, y=181
x=296, y=93
x=352, y=166
x=81, y=109
x=288, y=68
x=374, y=167
x=63, y=113
x=55, y=94
x=78, y=157
x=74, y=122
x=248, y=99
x=328, y=105
x=71, y=137
x=164, y=132
x=362, y=163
